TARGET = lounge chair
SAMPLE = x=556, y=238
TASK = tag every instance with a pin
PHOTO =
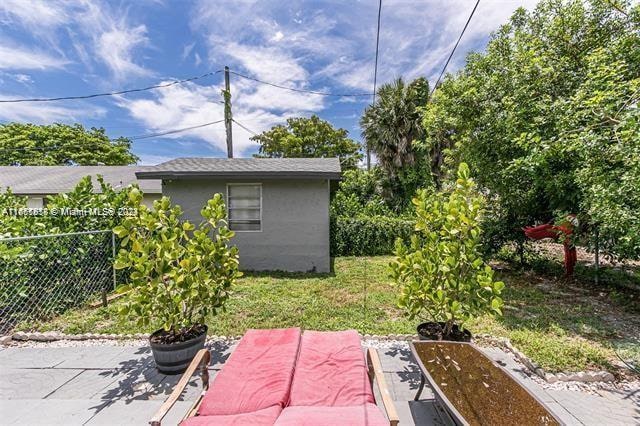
x=282, y=377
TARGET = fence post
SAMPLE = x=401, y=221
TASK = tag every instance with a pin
x=113, y=258
x=597, y=256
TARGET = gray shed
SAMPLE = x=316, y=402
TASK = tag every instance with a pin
x=278, y=207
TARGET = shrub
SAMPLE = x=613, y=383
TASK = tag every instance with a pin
x=442, y=274
x=180, y=273
x=107, y=203
x=45, y=276
x=367, y=235
x=358, y=195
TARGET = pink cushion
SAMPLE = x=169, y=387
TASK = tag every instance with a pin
x=362, y=415
x=257, y=375
x=258, y=418
x=331, y=371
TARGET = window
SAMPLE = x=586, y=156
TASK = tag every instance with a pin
x=244, y=206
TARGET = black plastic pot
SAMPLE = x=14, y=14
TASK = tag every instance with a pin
x=174, y=358
x=457, y=335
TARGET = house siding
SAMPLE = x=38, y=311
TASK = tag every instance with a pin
x=295, y=221
x=38, y=201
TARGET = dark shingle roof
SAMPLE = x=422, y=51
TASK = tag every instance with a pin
x=58, y=179
x=300, y=168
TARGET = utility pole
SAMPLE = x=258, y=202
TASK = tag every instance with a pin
x=226, y=94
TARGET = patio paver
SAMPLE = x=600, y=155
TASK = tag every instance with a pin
x=96, y=385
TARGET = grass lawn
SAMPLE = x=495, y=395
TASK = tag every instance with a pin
x=561, y=326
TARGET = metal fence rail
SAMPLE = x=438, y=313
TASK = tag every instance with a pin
x=42, y=276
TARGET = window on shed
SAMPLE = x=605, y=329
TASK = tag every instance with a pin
x=244, y=206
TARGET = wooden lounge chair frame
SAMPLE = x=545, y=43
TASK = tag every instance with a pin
x=201, y=363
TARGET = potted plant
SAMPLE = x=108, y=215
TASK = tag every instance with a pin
x=441, y=274
x=180, y=275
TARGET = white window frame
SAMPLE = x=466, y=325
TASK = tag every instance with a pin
x=228, y=203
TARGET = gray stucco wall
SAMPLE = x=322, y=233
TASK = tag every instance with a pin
x=295, y=221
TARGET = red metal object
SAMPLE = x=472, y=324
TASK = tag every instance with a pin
x=560, y=232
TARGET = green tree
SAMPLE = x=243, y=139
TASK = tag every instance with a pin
x=309, y=137
x=61, y=144
x=441, y=274
x=392, y=130
x=180, y=273
x=545, y=118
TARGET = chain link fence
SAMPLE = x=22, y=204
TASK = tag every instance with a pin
x=42, y=276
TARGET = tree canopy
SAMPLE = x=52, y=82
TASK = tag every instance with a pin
x=61, y=144
x=392, y=129
x=390, y=126
x=309, y=137
x=547, y=119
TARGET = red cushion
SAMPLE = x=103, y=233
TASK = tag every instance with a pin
x=257, y=375
x=258, y=418
x=362, y=415
x=331, y=371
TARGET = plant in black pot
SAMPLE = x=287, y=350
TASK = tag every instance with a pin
x=441, y=274
x=180, y=275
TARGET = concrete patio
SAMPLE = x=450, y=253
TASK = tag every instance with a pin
x=118, y=385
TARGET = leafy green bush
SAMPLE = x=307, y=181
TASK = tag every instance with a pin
x=180, y=273
x=362, y=224
x=105, y=203
x=547, y=118
x=367, y=235
x=442, y=274
x=358, y=195
x=45, y=276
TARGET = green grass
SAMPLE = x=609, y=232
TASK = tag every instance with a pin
x=561, y=326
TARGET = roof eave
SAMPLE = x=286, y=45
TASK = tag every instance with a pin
x=237, y=175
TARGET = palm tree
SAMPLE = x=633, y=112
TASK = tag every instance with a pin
x=390, y=126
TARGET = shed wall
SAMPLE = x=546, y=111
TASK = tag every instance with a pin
x=295, y=221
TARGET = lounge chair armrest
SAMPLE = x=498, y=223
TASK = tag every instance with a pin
x=201, y=360
x=375, y=371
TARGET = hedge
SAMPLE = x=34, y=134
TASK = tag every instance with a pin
x=368, y=236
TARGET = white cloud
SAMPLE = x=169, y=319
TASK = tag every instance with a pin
x=310, y=41
x=23, y=78
x=46, y=113
x=267, y=63
x=98, y=31
x=115, y=42
x=307, y=45
x=187, y=49
x=192, y=104
x=21, y=58
x=116, y=49
x=33, y=14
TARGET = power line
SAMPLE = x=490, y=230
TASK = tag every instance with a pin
x=293, y=89
x=171, y=132
x=375, y=70
x=455, y=47
x=244, y=127
x=375, y=75
x=97, y=145
x=120, y=92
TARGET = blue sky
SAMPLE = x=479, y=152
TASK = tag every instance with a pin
x=75, y=47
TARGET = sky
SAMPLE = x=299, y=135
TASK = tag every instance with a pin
x=56, y=48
